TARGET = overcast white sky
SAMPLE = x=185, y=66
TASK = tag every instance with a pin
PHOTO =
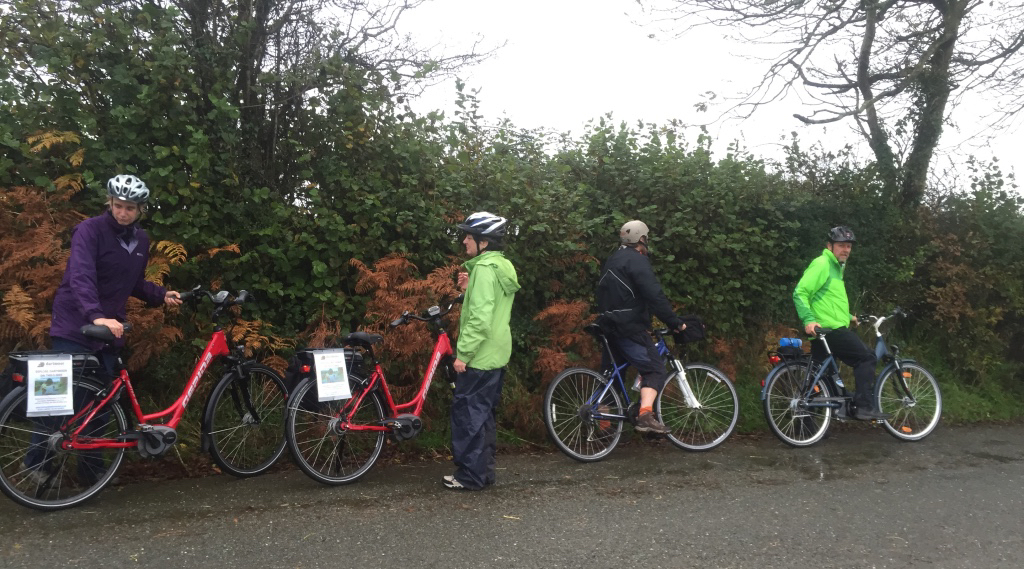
x=570, y=61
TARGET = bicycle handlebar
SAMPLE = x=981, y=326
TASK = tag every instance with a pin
x=876, y=321
x=432, y=314
x=220, y=299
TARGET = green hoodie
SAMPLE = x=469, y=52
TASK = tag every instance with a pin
x=820, y=296
x=485, y=339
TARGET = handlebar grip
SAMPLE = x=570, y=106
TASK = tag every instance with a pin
x=187, y=295
x=243, y=296
x=397, y=323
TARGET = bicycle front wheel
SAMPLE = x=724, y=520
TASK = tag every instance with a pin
x=245, y=421
x=915, y=410
x=321, y=442
x=786, y=406
x=574, y=410
x=706, y=420
x=35, y=471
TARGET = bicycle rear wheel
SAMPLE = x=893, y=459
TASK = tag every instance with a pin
x=708, y=424
x=323, y=449
x=36, y=472
x=915, y=411
x=245, y=421
x=570, y=406
x=786, y=410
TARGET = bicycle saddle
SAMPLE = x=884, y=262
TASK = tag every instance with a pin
x=363, y=339
x=101, y=332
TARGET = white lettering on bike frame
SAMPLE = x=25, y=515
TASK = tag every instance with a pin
x=200, y=370
x=430, y=372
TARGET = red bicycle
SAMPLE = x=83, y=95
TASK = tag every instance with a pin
x=337, y=442
x=51, y=463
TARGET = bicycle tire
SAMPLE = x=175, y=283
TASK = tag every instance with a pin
x=912, y=418
x=325, y=455
x=244, y=421
x=707, y=426
x=790, y=421
x=61, y=478
x=567, y=415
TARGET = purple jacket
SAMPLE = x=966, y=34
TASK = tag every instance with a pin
x=107, y=265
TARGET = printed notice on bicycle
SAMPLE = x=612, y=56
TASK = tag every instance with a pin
x=49, y=386
x=331, y=375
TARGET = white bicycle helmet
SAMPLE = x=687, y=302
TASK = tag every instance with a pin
x=486, y=225
x=129, y=188
x=632, y=232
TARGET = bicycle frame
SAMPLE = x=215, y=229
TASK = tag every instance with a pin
x=828, y=370
x=679, y=374
x=442, y=355
x=216, y=347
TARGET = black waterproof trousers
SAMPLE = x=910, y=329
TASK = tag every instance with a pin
x=474, y=426
x=848, y=348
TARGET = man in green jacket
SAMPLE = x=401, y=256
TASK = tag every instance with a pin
x=821, y=302
x=483, y=350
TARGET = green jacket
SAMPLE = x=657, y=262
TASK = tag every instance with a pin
x=820, y=296
x=485, y=339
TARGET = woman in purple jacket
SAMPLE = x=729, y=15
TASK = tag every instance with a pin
x=108, y=260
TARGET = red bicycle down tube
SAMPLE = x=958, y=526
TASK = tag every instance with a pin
x=217, y=346
x=442, y=348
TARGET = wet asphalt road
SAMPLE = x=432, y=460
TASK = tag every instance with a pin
x=859, y=499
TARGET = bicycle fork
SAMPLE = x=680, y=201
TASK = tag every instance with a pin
x=684, y=386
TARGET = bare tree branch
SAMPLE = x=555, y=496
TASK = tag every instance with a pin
x=897, y=68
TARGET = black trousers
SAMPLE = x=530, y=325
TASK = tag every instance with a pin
x=475, y=426
x=848, y=348
x=640, y=352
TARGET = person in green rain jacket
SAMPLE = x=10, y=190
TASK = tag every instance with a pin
x=821, y=302
x=482, y=352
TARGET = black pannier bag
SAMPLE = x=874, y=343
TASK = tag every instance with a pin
x=295, y=374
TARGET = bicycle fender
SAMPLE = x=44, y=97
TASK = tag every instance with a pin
x=204, y=438
x=772, y=373
x=18, y=390
x=889, y=367
x=292, y=403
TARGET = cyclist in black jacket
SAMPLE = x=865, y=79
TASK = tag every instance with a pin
x=627, y=293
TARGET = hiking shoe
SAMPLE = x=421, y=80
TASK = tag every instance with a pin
x=648, y=423
x=34, y=475
x=871, y=415
x=452, y=483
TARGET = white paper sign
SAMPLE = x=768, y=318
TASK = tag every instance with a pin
x=331, y=375
x=49, y=386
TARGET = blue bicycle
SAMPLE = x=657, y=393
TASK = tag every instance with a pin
x=801, y=396
x=584, y=410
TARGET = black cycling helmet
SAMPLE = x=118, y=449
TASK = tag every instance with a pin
x=485, y=225
x=841, y=234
